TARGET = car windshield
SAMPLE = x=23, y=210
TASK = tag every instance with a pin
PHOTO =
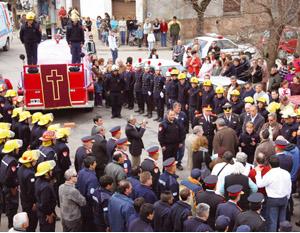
x=226, y=44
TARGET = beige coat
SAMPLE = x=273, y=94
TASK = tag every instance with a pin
x=189, y=152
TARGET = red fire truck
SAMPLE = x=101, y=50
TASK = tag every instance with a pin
x=55, y=83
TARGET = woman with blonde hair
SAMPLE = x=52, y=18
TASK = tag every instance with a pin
x=200, y=154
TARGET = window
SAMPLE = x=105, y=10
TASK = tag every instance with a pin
x=231, y=6
x=228, y=45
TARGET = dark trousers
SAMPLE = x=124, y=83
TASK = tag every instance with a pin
x=129, y=98
x=88, y=224
x=139, y=100
x=174, y=38
x=44, y=225
x=33, y=219
x=116, y=103
x=160, y=106
x=145, y=40
x=163, y=41
x=123, y=37
x=170, y=151
x=72, y=226
x=191, y=114
x=98, y=99
x=76, y=52
x=180, y=153
x=114, y=55
x=11, y=204
x=276, y=212
x=149, y=102
x=31, y=53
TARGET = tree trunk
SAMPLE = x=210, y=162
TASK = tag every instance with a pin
x=200, y=24
x=15, y=17
x=272, y=44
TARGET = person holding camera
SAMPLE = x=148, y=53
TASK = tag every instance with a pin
x=134, y=133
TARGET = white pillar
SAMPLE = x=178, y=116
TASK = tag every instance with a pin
x=68, y=4
x=107, y=6
x=140, y=10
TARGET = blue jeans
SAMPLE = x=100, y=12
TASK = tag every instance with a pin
x=114, y=54
x=76, y=52
x=276, y=212
x=180, y=153
x=163, y=39
x=123, y=37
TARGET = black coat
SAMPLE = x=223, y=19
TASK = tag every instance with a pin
x=140, y=225
x=134, y=136
x=180, y=211
x=229, y=209
x=75, y=33
x=248, y=147
x=252, y=219
x=161, y=219
x=30, y=34
x=150, y=166
x=99, y=150
x=195, y=224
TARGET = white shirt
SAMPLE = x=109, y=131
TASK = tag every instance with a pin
x=112, y=42
x=277, y=182
x=225, y=172
x=151, y=37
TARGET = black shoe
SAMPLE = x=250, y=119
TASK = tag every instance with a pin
x=137, y=111
x=156, y=119
x=179, y=167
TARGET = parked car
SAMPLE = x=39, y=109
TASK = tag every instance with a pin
x=6, y=27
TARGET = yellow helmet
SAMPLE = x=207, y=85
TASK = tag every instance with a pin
x=249, y=100
x=16, y=112
x=174, y=72
x=30, y=16
x=6, y=133
x=298, y=112
x=36, y=117
x=53, y=127
x=63, y=132
x=288, y=112
x=45, y=167
x=12, y=145
x=219, y=90
x=235, y=92
x=181, y=76
x=194, y=80
x=5, y=125
x=29, y=156
x=273, y=107
x=11, y=93
x=46, y=119
x=262, y=99
x=24, y=115
x=207, y=83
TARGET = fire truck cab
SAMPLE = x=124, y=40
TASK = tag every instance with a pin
x=55, y=83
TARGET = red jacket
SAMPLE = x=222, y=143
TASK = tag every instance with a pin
x=164, y=27
x=194, y=66
x=8, y=84
x=264, y=171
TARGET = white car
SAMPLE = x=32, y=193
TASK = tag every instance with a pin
x=225, y=44
x=165, y=64
x=6, y=27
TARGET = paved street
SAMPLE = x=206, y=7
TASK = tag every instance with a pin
x=11, y=67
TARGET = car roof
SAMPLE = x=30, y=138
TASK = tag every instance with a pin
x=210, y=38
x=164, y=62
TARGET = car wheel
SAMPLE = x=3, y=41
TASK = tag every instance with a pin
x=249, y=55
x=7, y=45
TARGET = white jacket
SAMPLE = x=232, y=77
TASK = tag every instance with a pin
x=150, y=38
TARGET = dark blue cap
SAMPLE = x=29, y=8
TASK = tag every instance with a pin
x=210, y=180
x=243, y=228
x=115, y=129
x=196, y=173
x=169, y=162
x=222, y=222
x=87, y=138
x=122, y=141
x=256, y=198
x=153, y=150
x=286, y=226
x=234, y=190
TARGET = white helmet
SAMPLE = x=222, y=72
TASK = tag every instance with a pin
x=115, y=68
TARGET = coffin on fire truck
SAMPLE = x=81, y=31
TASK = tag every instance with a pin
x=55, y=85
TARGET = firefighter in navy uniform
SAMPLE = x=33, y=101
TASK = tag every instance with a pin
x=115, y=85
x=183, y=95
x=30, y=36
x=111, y=142
x=122, y=146
x=27, y=179
x=290, y=126
x=168, y=179
x=206, y=120
x=172, y=89
x=252, y=217
x=208, y=93
x=147, y=90
x=45, y=196
x=83, y=151
x=219, y=100
x=231, y=119
x=128, y=77
x=138, y=75
x=170, y=135
x=8, y=105
x=43, y=123
x=9, y=178
x=159, y=93
x=210, y=197
x=24, y=131
x=47, y=148
x=236, y=103
x=2, y=100
x=150, y=164
x=194, y=98
x=35, y=127
x=5, y=134
x=15, y=121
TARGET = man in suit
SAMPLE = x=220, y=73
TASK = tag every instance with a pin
x=232, y=120
x=111, y=143
x=257, y=119
x=134, y=135
x=98, y=121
